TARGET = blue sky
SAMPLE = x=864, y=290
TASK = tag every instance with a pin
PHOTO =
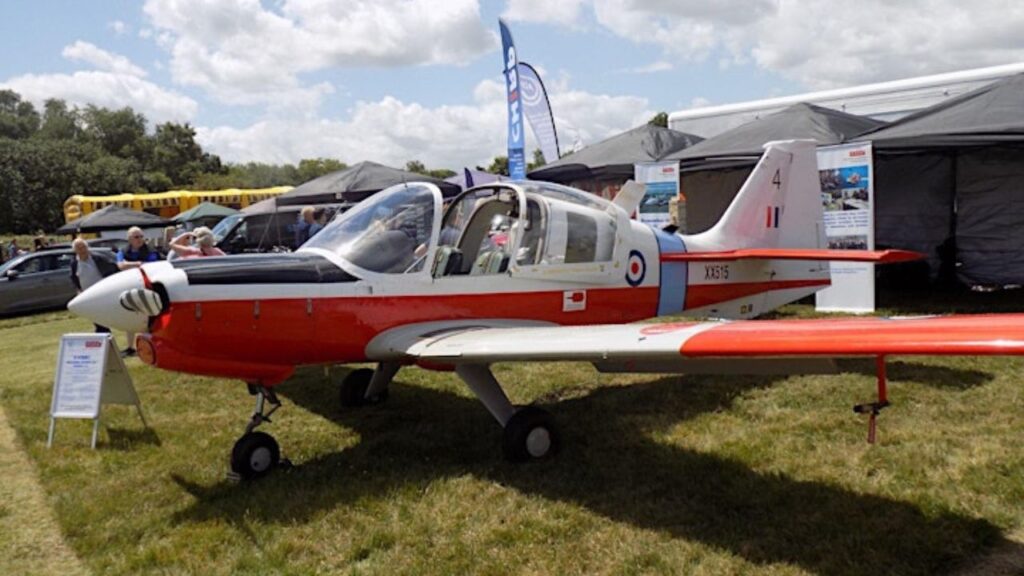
x=396, y=80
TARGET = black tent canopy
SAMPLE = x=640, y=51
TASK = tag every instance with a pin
x=112, y=218
x=952, y=176
x=713, y=170
x=613, y=158
x=799, y=121
x=356, y=183
x=987, y=116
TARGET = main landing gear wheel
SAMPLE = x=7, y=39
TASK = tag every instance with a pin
x=255, y=454
x=530, y=434
x=354, y=387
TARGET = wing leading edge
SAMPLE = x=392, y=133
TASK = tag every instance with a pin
x=640, y=344
x=876, y=256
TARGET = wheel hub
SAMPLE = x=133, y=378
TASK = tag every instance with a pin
x=260, y=459
x=538, y=442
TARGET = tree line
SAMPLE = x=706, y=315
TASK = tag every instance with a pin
x=47, y=156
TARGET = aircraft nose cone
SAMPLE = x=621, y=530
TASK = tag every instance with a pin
x=101, y=303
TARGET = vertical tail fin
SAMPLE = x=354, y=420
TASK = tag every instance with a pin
x=778, y=206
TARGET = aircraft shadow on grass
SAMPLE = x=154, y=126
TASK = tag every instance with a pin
x=609, y=465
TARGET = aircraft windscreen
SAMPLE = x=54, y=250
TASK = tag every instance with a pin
x=565, y=194
x=388, y=232
x=224, y=226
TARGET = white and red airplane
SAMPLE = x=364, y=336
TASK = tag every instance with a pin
x=520, y=271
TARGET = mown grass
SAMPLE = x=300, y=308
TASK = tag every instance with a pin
x=659, y=474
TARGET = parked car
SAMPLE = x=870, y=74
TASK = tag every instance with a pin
x=266, y=231
x=40, y=281
x=114, y=244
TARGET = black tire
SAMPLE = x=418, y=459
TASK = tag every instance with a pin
x=255, y=454
x=530, y=434
x=354, y=387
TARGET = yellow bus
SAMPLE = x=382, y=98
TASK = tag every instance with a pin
x=169, y=204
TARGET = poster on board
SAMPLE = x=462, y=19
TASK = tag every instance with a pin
x=847, y=196
x=90, y=373
x=661, y=180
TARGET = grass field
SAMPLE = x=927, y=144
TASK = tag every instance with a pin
x=658, y=474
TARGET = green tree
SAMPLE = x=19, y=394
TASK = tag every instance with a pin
x=119, y=132
x=176, y=154
x=659, y=119
x=499, y=165
x=18, y=119
x=39, y=174
x=441, y=173
x=538, y=160
x=59, y=122
x=419, y=168
x=310, y=168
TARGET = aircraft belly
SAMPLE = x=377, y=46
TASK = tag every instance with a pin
x=294, y=331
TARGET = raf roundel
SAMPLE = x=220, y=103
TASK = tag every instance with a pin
x=636, y=268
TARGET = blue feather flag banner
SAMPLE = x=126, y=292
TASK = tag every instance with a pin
x=537, y=109
x=516, y=157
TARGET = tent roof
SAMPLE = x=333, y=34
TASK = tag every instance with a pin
x=112, y=217
x=204, y=210
x=479, y=177
x=989, y=115
x=824, y=125
x=355, y=183
x=615, y=156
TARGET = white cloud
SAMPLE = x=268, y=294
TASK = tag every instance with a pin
x=393, y=132
x=566, y=12
x=118, y=27
x=100, y=58
x=108, y=90
x=117, y=83
x=825, y=44
x=820, y=43
x=652, y=68
x=241, y=53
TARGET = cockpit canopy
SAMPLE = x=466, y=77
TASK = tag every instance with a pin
x=389, y=232
x=486, y=230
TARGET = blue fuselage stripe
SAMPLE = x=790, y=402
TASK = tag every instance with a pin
x=672, y=292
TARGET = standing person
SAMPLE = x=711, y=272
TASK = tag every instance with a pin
x=307, y=226
x=87, y=270
x=165, y=246
x=204, y=244
x=135, y=255
x=13, y=250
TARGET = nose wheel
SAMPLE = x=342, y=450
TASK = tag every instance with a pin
x=257, y=453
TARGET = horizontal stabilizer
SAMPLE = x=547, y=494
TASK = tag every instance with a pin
x=875, y=256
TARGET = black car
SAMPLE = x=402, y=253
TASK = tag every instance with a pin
x=40, y=281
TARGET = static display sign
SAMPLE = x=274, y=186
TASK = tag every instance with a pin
x=661, y=181
x=89, y=373
x=847, y=195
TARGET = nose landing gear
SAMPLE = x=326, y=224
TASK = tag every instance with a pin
x=256, y=453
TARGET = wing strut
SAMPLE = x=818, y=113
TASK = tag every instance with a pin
x=873, y=409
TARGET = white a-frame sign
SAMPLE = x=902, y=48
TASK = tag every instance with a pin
x=90, y=373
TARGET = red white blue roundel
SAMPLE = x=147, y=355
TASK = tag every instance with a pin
x=636, y=268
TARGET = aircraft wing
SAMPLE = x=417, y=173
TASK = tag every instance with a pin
x=876, y=256
x=625, y=346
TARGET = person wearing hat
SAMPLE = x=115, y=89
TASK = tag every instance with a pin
x=204, y=244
